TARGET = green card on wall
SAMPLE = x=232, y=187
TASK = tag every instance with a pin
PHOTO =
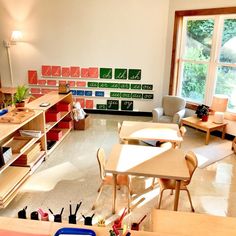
x=137, y=95
x=101, y=106
x=127, y=105
x=136, y=86
x=120, y=73
x=92, y=84
x=125, y=95
x=124, y=86
x=147, y=87
x=148, y=96
x=115, y=94
x=134, y=74
x=112, y=104
x=105, y=73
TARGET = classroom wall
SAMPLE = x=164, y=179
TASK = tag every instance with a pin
x=176, y=5
x=96, y=33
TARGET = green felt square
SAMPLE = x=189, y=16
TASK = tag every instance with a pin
x=127, y=105
x=147, y=87
x=134, y=74
x=136, y=86
x=105, y=73
x=121, y=73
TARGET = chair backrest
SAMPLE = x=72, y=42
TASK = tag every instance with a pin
x=192, y=164
x=118, y=127
x=182, y=130
x=101, y=162
x=172, y=104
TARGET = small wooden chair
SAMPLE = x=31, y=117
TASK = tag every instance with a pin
x=122, y=180
x=164, y=184
x=234, y=145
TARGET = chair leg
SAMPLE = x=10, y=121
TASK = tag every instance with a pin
x=189, y=197
x=99, y=188
x=160, y=198
x=153, y=183
x=171, y=192
x=99, y=193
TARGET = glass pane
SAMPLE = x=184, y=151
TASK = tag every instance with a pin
x=199, y=39
x=194, y=82
x=226, y=84
x=228, y=44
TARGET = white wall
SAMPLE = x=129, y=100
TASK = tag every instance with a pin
x=176, y=5
x=102, y=33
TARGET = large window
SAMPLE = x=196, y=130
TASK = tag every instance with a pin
x=206, y=60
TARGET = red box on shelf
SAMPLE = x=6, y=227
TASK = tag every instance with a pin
x=65, y=124
x=52, y=116
x=63, y=106
x=54, y=134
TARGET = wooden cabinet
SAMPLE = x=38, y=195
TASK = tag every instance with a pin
x=61, y=105
x=29, y=153
x=11, y=176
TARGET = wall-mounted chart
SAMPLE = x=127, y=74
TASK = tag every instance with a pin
x=120, y=73
x=105, y=73
x=134, y=74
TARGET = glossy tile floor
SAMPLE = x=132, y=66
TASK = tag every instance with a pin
x=71, y=174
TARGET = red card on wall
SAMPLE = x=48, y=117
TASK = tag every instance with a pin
x=46, y=90
x=81, y=83
x=93, y=72
x=81, y=101
x=56, y=71
x=65, y=71
x=74, y=71
x=35, y=90
x=71, y=83
x=46, y=70
x=84, y=72
x=89, y=103
x=32, y=77
x=62, y=82
x=52, y=82
x=42, y=81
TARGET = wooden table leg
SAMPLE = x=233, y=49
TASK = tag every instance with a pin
x=177, y=189
x=114, y=194
x=223, y=132
x=207, y=137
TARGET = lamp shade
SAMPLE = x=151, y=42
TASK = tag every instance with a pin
x=16, y=36
x=219, y=103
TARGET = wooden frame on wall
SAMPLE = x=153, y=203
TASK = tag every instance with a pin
x=177, y=41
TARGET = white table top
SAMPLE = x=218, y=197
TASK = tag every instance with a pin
x=147, y=161
x=150, y=131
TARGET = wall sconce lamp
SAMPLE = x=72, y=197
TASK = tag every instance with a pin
x=219, y=106
x=16, y=36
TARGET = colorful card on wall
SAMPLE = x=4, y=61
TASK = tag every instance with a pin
x=124, y=86
x=84, y=72
x=127, y=105
x=89, y=104
x=136, y=86
x=65, y=71
x=74, y=92
x=148, y=96
x=112, y=104
x=93, y=72
x=88, y=93
x=105, y=73
x=35, y=90
x=92, y=84
x=81, y=84
x=103, y=85
x=137, y=95
x=120, y=73
x=113, y=85
x=75, y=71
x=62, y=82
x=125, y=95
x=80, y=93
x=42, y=81
x=147, y=87
x=44, y=91
x=56, y=71
x=46, y=70
x=32, y=77
x=81, y=101
x=71, y=83
x=101, y=106
x=134, y=74
x=115, y=94
x=99, y=93
x=51, y=82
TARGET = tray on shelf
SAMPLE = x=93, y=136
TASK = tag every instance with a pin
x=17, y=116
x=18, y=144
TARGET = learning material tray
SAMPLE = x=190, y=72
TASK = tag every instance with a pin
x=75, y=232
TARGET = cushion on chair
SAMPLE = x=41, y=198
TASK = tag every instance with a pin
x=172, y=104
x=166, y=119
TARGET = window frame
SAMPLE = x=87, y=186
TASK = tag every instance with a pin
x=176, y=49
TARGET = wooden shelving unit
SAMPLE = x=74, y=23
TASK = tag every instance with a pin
x=13, y=176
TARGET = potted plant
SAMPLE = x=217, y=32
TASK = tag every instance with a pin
x=22, y=92
x=202, y=112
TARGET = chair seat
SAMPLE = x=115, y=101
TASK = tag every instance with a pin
x=121, y=180
x=170, y=184
x=166, y=119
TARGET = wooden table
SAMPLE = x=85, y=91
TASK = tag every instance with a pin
x=207, y=126
x=192, y=224
x=147, y=161
x=162, y=132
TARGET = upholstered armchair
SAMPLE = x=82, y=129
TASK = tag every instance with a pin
x=172, y=110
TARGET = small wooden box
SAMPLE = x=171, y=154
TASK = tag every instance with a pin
x=63, y=106
x=54, y=134
x=65, y=124
x=52, y=116
x=82, y=124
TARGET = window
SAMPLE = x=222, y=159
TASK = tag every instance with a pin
x=205, y=58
